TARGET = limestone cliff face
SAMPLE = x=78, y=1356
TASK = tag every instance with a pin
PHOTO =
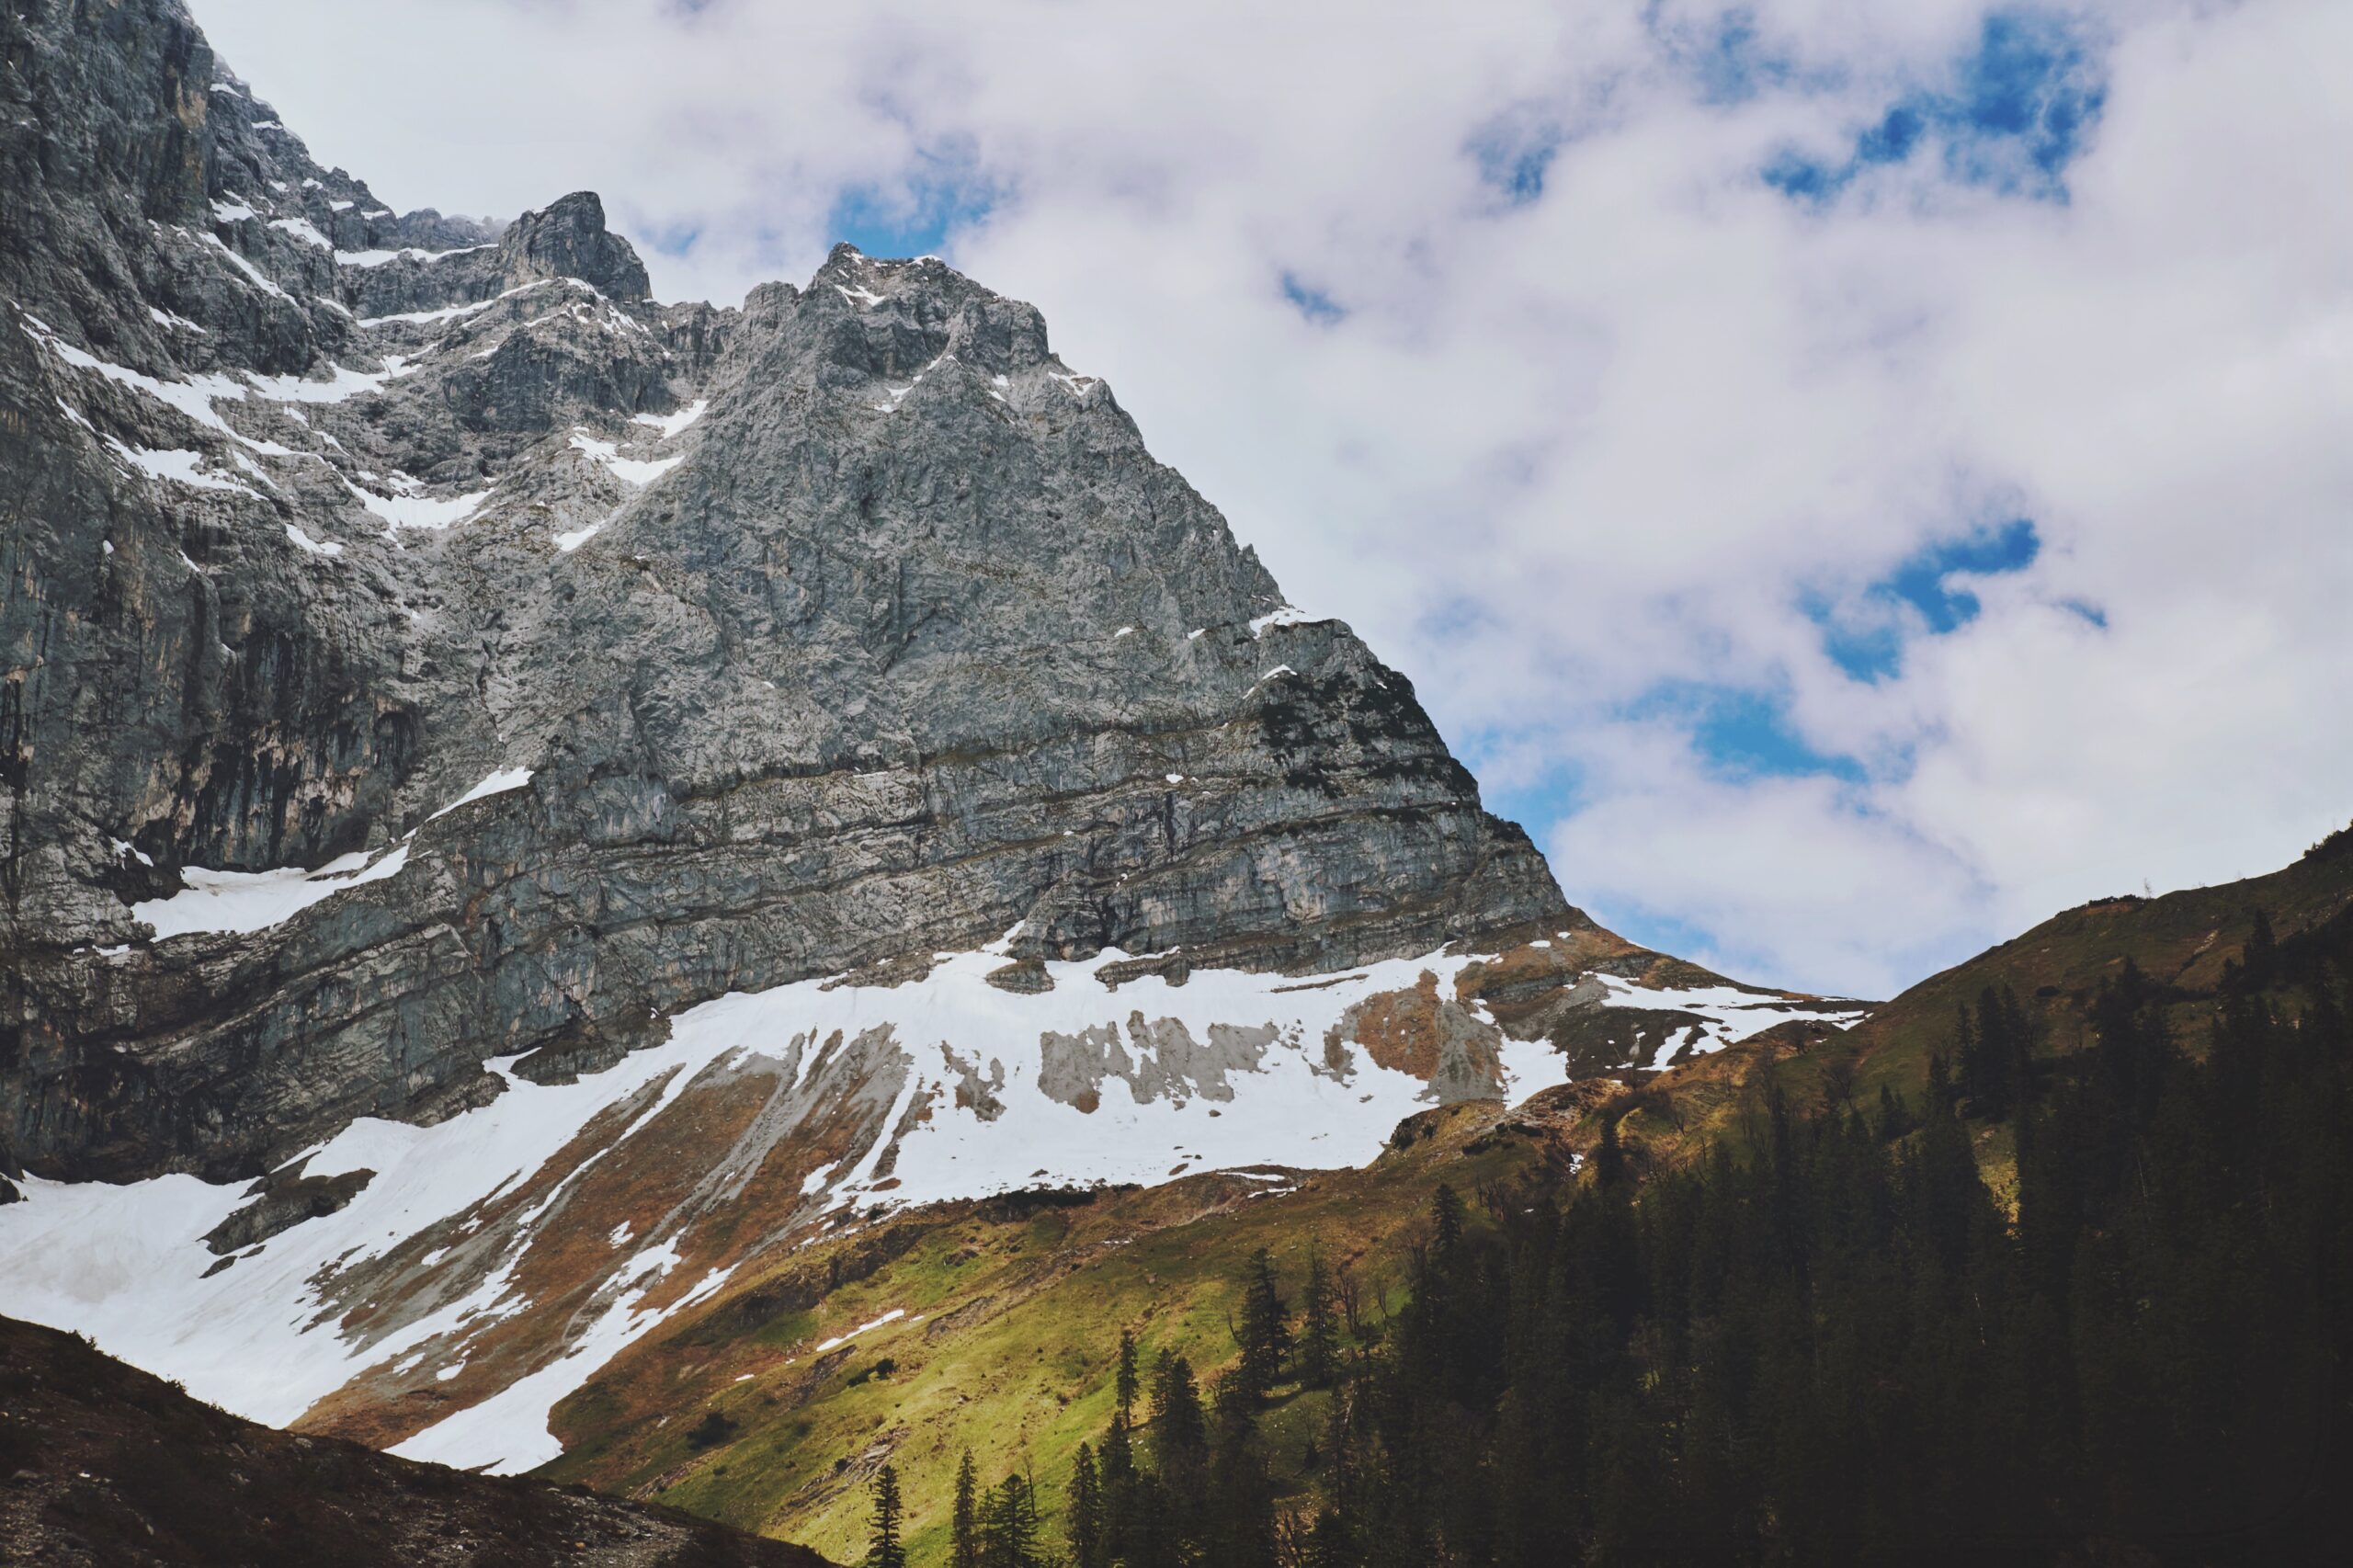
x=770, y=643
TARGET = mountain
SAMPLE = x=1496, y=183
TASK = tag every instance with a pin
x=107, y=1467
x=531, y=811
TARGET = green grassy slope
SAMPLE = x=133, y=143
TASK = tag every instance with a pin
x=1020, y=1307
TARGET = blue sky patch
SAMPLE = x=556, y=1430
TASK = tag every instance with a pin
x=1725, y=56
x=1513, y=153
x=916, y=218
x=2014, y=113
x=1870, y=646
x=1742, y=733
x=1310, y=301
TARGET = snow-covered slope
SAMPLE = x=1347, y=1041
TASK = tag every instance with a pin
x=487, y=1265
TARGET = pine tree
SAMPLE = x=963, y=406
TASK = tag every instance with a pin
x=963, y=1523
x=1446, y=1219
x=1180, y=1431
x=1609, y=1157
x=883, y=1545
x=1266, y=1327
x=1319, y=1335
x=2262, y=951
x=1009, y=1526
x=1968, y=1050
x=1118, y=1452
x=1086, y=1522
x=1124, y=1390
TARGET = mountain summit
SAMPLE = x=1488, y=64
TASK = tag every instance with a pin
x=524, y=802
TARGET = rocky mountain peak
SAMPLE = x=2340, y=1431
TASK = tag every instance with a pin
x=568, y=239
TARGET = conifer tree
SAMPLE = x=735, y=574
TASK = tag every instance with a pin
x=883, y=1549
x=1085, y=1521
x=1265, y=1334
x=1609, y=1157
x=2262, y=951
x=963, y=1521
x=1319, y=1334
x=1180, y=1431
x=1446, y=1219
x=1125, y=1386
x=1010, y=1526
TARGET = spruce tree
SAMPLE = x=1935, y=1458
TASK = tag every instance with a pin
x=1319, y=1334
x=1609, y=1157
x=1446, y=1219
x=1180, y=1432
x=1085, y=1522
x=1266, y=1327
x=963, y=1522
x=1010, y=1527
x=883, y=1549
x=1125, y=1386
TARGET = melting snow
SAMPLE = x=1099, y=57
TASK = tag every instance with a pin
x=506, y=778
x=126, y=1264
x=342, y=383
x=316, y=547
x=179, y=466
x=894, y=1315
x=418, y=511
x=378, y=257
x=633, y=470
x=447, y=312
x=671, y=424
x=302, y=229
x=1288, y=616
x=1730, y=1014
x=254, y=275
x=254, y=901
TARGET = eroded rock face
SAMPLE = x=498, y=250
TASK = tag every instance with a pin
x=841, y=627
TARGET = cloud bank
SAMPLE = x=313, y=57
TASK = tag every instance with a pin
x=1853, y=479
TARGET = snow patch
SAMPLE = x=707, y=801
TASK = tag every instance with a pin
x=255, y=901
x=303, y=230
x=1290, y=614
x=634, y=471
x=498, y=783
x=315, y=546
x=179, y=466
x=894, y=1315
x=670, y=424
x=418, y=511
x=416, y=253
x=254, y=275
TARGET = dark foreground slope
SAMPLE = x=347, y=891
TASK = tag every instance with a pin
x=102, y=1466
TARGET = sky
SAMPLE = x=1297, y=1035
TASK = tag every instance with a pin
x=1851, y=479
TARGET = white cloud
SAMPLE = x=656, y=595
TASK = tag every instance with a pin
x=1556, y=454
